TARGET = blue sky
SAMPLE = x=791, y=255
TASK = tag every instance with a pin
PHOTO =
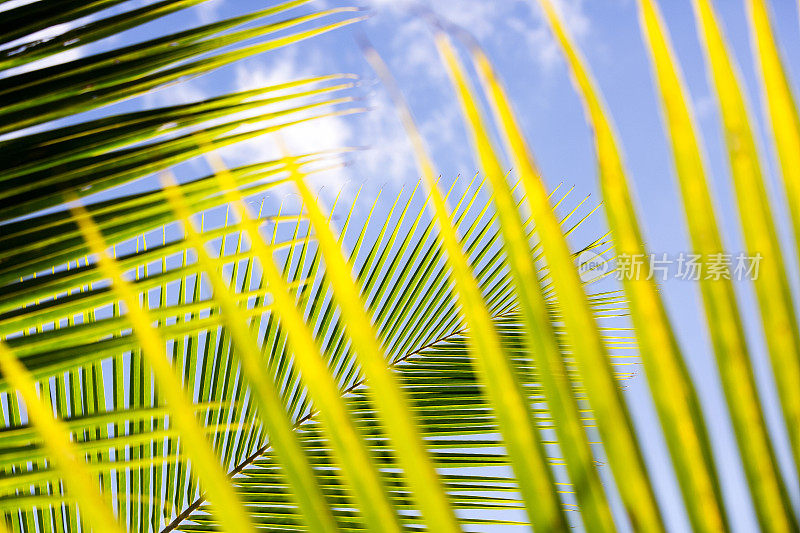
x=530, y=64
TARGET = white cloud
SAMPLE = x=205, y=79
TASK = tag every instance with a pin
x=208, y=12
x=705, y=107
x=515, y=27
x=508, y=22
x=388, y=157
x=328, y=133
x=174, y=94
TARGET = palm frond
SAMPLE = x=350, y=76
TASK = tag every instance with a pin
x=171, y=359
x=448, y=401
x=672, y=388
x=203, y=353
x=590, y=354
x=724, y=322
x=778, y=314
x=499, y=375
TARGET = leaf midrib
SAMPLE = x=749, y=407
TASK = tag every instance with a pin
x=266, y=447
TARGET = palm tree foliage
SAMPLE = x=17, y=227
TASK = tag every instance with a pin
x=164, y=370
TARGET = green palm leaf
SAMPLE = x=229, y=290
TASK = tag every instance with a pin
x=441, y=371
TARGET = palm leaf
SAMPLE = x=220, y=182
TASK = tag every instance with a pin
x=57, y=438
x=348, y=442
x=778, y=316
x=152, y=346
x=406, y=372
x=724, y=322
x=447, y=397
x=672, y=389
x=438, y=315
x=522, y=438
x=590, y=354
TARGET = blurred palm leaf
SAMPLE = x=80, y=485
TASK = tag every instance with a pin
x=411, y=372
